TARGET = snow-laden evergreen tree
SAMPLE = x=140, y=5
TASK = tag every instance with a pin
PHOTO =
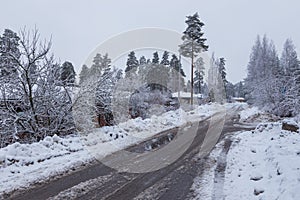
x=96, y=68
x=193, y=43
x=176, y=72
x=253, y=64
x=106, y=61
x=222, y=70
x=215, y=82
x=266, y=91
x=143, y=60
x=176, y=65
x=165, y=58
x=157, y=75
x=155, y=59
x=199, y=75
x=296, y=90
x=253, y=71
x=84, y=74
x=9, y=51
x=68, y=74
x=174, y=62
x=290, y=64
x=100, y=63
x=269, y=80
x=272, y=92
x=289, y=58
x=132, y=65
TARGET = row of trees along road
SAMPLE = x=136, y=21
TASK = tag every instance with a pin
x=141, y=68
x=273, y=83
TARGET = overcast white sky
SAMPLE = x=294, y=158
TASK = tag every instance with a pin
x=231, y=26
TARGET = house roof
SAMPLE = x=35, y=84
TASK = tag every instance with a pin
x=186, y=95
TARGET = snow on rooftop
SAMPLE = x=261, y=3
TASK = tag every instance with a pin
x=238, y=98
x=186, y=95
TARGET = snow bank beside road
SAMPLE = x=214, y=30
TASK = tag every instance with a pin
x=28, y=154
x=252, y=114
x=22, y=165
x=249, y=112
x=106, y=140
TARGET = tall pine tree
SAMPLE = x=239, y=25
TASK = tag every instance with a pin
x=132, y=65
x=222, y=70
x=165, y=58
x=9, y=54
x=143, y=60
x=96, y=68
x=155, y=59
x=290, y=64
x=193, y=43
x=84, y=73
x=199, y=76
x=68, y=73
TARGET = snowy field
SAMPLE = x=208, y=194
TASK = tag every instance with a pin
x=260, y=164
x=23, y=165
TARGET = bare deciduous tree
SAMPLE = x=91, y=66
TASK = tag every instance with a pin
x=34, y=104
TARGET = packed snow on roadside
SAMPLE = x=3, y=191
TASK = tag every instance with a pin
x=249, y=112
x=264, y=164
x=261, y=164
x=252, y=114
x=22, y=165
x=107, y=140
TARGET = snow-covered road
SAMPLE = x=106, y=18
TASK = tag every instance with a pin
x=27, y=165
x=101, y=182
x=259, y=164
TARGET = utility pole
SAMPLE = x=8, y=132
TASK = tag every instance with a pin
x=192, y=74
x=179, y=70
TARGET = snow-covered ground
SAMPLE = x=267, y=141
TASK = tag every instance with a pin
x=22, y=165
x=260, y=164
x=264, y=164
